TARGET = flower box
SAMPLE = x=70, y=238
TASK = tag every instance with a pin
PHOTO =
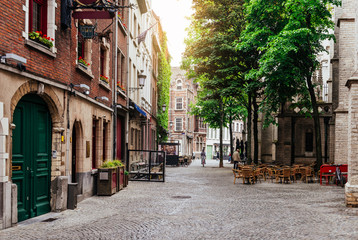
x=83, y=62
x=42, y=39
x=107, y=181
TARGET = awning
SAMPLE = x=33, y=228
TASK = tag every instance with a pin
x=138, y=109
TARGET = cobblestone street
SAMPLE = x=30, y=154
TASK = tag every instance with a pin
x=201, y=203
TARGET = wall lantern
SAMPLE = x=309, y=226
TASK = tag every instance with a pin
x=141, y=80
x=164, y=107
x=86, y=89
x=102, y=98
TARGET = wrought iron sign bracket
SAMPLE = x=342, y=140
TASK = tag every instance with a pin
x=99, y=5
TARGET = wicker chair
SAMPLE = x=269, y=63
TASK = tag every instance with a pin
x=237, y=174
x=248, y=174
x=285, y=175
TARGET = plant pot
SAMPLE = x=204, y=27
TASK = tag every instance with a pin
x=125, y=184
x=107, y=181
x=82, y=66
x=120, y=178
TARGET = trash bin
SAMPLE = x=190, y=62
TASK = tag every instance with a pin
x=72, y=196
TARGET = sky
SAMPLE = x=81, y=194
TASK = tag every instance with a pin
x=173, y=15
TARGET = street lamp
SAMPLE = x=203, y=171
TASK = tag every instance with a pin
x=141, y=80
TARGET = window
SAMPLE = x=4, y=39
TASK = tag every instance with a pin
x=178, y=124
x=179, y=103
x=120, y=67
x=309, y=141
x=38, y=16
x=132, y=136
x=179, y=85
x=101, y=62
x=80, y=46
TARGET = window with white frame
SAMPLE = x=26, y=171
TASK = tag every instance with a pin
x=40, y=18
x=179, y=103
x=178, y=124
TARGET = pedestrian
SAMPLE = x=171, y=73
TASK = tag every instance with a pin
x=229, y=160
x=203, y=156
x=218, y=155
x=236, y=158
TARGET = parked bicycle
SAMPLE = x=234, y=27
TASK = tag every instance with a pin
x=340, y=180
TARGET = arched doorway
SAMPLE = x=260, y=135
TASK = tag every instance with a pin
x=31, y=156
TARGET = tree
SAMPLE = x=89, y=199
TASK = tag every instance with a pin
x=288, y=38
x=211, y=56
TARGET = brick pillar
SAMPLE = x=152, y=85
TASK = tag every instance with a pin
x=351, y=188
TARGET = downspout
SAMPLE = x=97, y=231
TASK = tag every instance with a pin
x=114, y=87
x=127, y=103
x=68, y=136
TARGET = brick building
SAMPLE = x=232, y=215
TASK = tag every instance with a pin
x=184, y=128
x=65, y=101
x=344, y=94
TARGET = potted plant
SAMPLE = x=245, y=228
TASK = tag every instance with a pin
x=83, y=62
x=107, y=179
x=104, y=79
x=120, y=87
x=120, y=174
x=42, y=39
x=126, y=176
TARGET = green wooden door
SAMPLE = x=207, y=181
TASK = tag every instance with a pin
x=31, y=156
x=209, y=152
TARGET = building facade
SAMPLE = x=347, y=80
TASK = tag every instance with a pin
x=68, y=101
x=344, y=94
x=181, y=123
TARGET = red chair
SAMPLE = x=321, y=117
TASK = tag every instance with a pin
x=327, y=171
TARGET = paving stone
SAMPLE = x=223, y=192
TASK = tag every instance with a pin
x=199, y=202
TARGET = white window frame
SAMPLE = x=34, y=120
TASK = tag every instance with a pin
x=178, y=121
x=176, y=103
x=51, y=17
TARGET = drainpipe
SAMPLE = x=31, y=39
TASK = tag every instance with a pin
x=68, y=137
x=114, y=87
x=127, y=103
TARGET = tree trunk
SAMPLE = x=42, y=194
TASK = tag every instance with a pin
x=249, y=124
x=317, y=124
x=231, y=140
x=256, y=138
x=221, y=133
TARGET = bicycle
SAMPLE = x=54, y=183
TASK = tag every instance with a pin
x=339, y=177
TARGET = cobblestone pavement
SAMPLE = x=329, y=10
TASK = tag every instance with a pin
x=199, y=202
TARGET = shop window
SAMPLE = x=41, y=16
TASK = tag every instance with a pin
x=94, y=143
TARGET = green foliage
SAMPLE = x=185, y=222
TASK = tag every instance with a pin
x=108, y=164
x=211, y=58
x=41, y=38
x=112, y=164
x=118, y=163
x=163, y=84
